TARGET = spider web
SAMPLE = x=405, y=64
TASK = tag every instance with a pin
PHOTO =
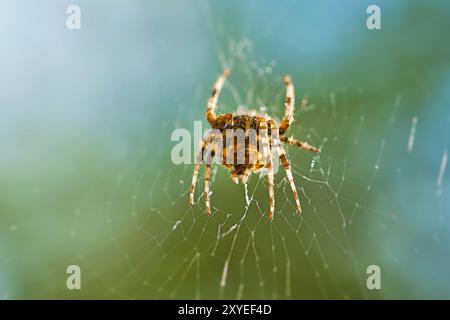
x=367, y=198
x=238, y=253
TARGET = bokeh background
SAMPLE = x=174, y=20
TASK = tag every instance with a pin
x=86, y=176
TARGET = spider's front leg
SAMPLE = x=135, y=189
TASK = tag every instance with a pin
x=288, y=118
x=289, y=103
x=212, y=101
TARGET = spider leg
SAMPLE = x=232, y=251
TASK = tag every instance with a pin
x=194, y=181
x=284, y=160
x=267, y=156
x=302, y=144
x=289, y=106
x=207, y=177
x=212, y=101
x=204, y=142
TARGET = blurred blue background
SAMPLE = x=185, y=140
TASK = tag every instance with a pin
x=86, y=176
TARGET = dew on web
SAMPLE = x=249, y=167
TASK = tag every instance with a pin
x=412, y=133
x=247, y=199
x=442, y=168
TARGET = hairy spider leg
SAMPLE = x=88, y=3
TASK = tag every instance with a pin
x=207, y=177
x=212, y=100
x=203, y=144
x=284, y=160
x=289, y=103
x=301, y=144
x=267, y=156
x=289, y=117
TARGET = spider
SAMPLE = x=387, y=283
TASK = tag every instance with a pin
x=268, y=133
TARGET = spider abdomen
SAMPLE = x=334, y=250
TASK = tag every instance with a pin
x=242, y=143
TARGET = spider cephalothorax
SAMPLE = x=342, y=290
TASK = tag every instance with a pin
x=260, y=136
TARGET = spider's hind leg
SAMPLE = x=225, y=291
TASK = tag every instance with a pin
x=267, y=158
x=203, y=144
x=284, y=160
x=207, y=177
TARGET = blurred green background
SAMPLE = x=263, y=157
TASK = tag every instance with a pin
x=86, y=176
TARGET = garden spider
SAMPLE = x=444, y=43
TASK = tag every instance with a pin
x=268, y=135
